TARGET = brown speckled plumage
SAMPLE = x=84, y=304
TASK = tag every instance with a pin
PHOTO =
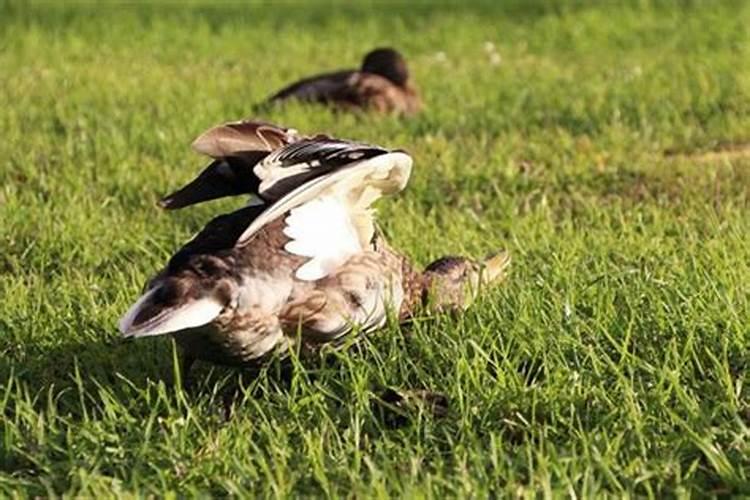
x=319, y=310
x=414, y=290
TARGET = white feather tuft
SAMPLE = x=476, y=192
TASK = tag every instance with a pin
x=321, y=229
x=192, y=314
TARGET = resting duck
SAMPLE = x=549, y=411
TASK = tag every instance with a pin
x=382, y=85
x=305, y=271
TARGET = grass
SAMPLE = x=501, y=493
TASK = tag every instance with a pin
x=608, y=151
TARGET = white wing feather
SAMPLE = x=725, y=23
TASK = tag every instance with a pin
x=190, y=315
x=368, y=179
x=329, y=217
x=323, y=230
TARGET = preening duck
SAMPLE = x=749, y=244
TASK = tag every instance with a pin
x=305, y=271
x=382, y=84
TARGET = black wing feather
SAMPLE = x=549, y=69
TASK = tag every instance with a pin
x=291, y=166
x=323, y=151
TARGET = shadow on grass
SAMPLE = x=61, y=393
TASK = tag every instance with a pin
x=79, y=380
x=122, y=366
x=78, y=377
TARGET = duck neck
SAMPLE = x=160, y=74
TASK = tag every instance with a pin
x=415, y=290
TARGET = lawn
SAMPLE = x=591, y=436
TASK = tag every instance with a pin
x=607, y=148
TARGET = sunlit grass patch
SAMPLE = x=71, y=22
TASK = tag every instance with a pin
x=604, y=147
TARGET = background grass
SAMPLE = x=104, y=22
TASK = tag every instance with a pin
x=607, y=150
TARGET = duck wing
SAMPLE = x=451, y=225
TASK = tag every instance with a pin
x=192, y=290
x=236, y=148
x=291, y=166
x=232, y=138
x=228, y=176
x=328, y=219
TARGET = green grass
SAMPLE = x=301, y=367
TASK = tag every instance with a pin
x=614, y=360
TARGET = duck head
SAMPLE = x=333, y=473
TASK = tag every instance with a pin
x=452, y=283
x=387, y=63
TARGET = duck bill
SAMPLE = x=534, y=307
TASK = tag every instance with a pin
x=495, y=267
x=218, y=180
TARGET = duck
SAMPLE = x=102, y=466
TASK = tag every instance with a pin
x=382, y=85
x=309, y=270
x=256, y=158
